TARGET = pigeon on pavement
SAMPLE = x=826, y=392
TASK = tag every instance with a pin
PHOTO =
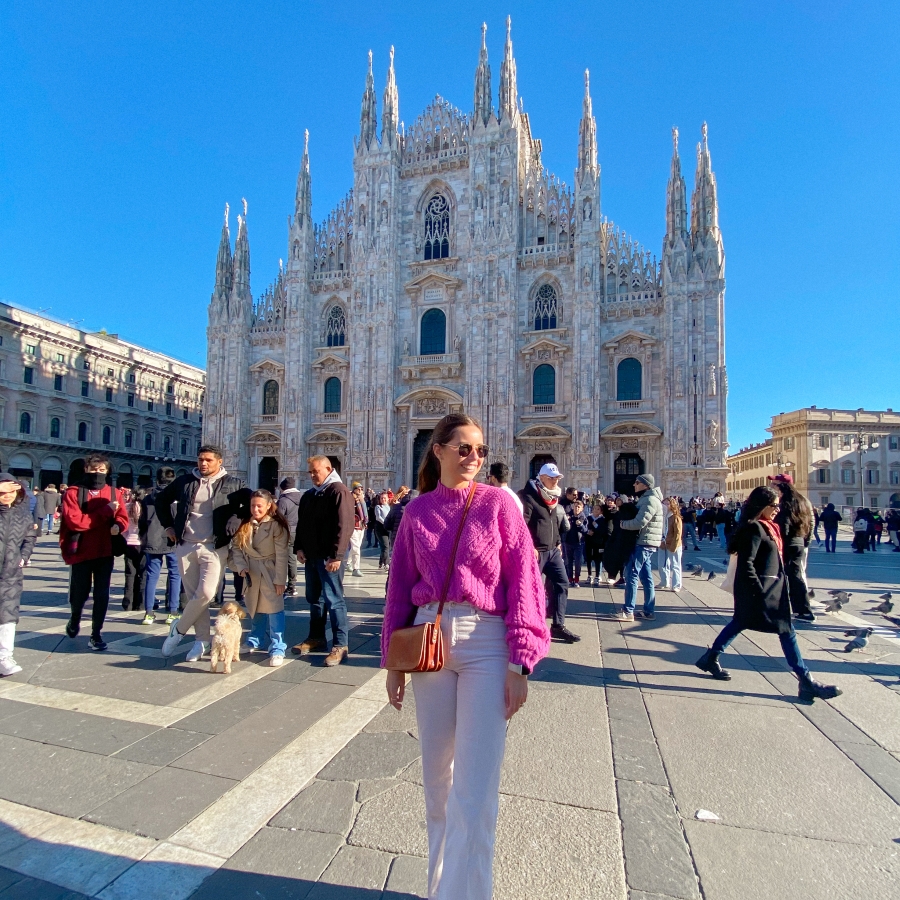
x=885, y=607
x=887, y=596
x=833, y=605
x=843, y=596
x=860, y=641
x=856, y=632
x=697, y=571
x=812, y=594
x=711, y=576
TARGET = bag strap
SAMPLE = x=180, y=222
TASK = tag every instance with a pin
x=462, y=521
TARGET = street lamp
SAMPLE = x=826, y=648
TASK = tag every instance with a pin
x=863, y=442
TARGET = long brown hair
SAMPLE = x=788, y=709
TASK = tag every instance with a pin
x=242, y=536
x=796, y=511
x=430, y=468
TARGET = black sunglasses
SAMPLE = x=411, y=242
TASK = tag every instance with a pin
x=465, y=449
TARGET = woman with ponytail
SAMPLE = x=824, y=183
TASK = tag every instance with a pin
x=494, y=634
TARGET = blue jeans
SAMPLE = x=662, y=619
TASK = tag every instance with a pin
x=573, y=556
x=273, y=623
x=720, y=530
x=640, y=566
x=788, y=640
x=153, y=570
x=48, y=522
x=830, y=539
x=690, y=529
x=325, y=596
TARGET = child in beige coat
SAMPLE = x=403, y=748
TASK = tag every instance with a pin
x=259, y=552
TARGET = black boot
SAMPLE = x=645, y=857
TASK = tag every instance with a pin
x=709, y=662
x=814, y=690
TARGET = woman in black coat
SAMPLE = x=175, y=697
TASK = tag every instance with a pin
x=795, y=521
x=620, y=544
x=17, y=536
x=761, y=600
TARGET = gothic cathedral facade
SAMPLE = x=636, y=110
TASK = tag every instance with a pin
x=459, y=275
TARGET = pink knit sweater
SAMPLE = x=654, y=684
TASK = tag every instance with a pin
x=496, y=569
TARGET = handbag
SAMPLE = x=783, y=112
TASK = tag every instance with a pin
x=728, y=583
x=420, y=648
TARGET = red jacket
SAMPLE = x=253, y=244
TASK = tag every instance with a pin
x=92, y=526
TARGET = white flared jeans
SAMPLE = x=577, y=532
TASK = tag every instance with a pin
x=462, y=732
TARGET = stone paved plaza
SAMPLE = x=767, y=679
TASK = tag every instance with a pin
x=126, y=775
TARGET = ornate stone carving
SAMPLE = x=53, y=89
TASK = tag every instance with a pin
x=431, y=406
x=711, y=381
x=544, y=354
x=679, y=436
x=712, y=433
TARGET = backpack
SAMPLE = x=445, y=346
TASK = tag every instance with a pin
x=860, y=525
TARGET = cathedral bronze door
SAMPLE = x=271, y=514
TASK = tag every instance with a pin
x=420, y=445
x=268, y=474
x=628, y=467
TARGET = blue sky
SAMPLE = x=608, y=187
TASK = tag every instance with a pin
x=126, y=127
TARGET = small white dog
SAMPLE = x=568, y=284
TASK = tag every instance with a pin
x=226, y=645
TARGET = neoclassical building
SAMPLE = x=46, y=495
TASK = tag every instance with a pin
x=66, y=392
x=458, y=274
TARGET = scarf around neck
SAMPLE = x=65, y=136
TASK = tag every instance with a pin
x=774, y=533
x=550, y=496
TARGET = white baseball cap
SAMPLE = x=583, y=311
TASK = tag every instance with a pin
x=550, y=470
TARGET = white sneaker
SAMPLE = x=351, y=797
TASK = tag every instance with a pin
x=276, y=660
x=9, y=666
x=356, y=573
x=198, y=650
x=170, y=644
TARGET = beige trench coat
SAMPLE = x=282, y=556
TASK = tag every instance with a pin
x=266, y=559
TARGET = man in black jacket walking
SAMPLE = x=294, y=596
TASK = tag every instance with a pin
x=324, y=528
x=543, y=516
x=288, y=504
x=209, y=507
x=158, y=548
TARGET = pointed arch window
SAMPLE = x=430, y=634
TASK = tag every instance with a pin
x=270, y=398
x=54, y=427
x=628, y=379
x=433, y=333
x=437, y=228
x=336, y=328
x=546, y=308
x=543, y=386
x=333, y=395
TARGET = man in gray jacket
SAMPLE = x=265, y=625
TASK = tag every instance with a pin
x=649, y=523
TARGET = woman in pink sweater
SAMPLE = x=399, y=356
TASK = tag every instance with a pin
x=495, y=632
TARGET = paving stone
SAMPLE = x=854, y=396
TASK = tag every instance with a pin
x=372, y=788
x=703, y=744
x=298, y=854
x=356, y=868
x=393, y=822
x=34, y=889
x=541, y=734
x=389, y=719
x=327, y=806
x=368, y=756
x=354, y=670
x=638, y=761
x=76, y=730
x=12, y=708
x=832, y=724
x=163, y=746
x=878, y=764
x=871, y=708
x=257, y=737
x=230, y=710
x=643, y=895
x=408, y=878
x=656, y=854
x=68, y=782
x=298, y=671
x=161, y=804
x=745, y=864
x=226, y=884
x=553, y=850
x=8, y=878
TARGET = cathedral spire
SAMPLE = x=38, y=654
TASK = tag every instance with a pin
x=241, y=261
x=303, y=199
x=509, y=93
x=587, y=135
x=368, y=115
x=483, y=104
x=223, y=261
x=676, y=198
x=704, y=202
x=390, y=108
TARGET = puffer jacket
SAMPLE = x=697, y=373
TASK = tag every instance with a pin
x=17, y=537
x=649, y=519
